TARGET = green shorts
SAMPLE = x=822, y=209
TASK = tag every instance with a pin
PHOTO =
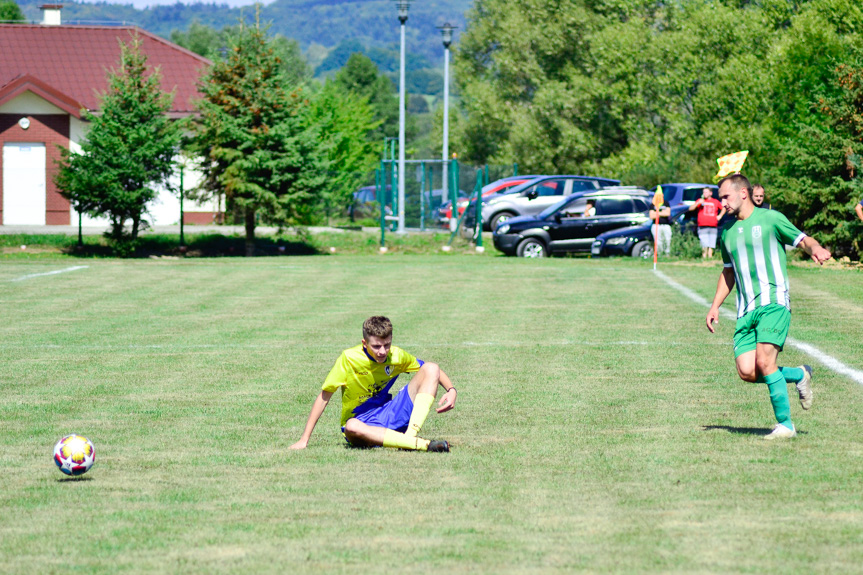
x=768, y=324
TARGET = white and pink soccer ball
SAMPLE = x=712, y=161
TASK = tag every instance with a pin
x=74, y=454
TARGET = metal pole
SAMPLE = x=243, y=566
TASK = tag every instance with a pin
x=401, y=228
x=381, y=179
x=479, y=180
x=182, y=238
x=446, y=131
x=431, y=191
x=422, y=199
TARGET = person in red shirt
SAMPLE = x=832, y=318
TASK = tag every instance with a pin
x=710, y=211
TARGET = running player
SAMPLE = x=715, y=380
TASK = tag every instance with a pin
x=753, y=253
x=370, y=415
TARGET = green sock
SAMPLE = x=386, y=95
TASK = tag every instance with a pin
x=779, y=397
x=792, y=374
x=422, y=405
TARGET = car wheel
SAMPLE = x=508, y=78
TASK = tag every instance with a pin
x=531, y=248
x=499, y=219
x=643, y=250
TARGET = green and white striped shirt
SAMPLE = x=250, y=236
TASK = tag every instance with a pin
x=755, y=248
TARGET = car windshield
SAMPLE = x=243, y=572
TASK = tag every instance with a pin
x=552, y=209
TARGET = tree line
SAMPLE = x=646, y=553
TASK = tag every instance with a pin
x=650, y=91
x=271, y=142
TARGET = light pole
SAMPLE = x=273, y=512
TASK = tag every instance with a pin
x=403, y=17
x=446, y=34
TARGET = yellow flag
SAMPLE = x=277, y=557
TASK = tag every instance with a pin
x=658, y=198
x=731, y=164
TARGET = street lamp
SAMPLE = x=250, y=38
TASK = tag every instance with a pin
x=446, y=34
x=403, y=6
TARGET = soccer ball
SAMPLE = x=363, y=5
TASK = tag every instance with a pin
x=74, y=454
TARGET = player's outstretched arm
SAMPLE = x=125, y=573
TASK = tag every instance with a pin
x=723, y=288
x=813, y=248
x=318, y=408
x=446, y=402
x=859, y=209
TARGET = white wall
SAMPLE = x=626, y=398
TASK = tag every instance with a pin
x=29, y=103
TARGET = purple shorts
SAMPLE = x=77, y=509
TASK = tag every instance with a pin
x=395, y=414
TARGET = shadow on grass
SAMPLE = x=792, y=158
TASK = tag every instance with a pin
x=201, y=246
x=743, y=430
x=77, y=478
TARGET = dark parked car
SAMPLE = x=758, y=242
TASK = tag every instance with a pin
x=531, y=197
x=637, y=241
x=567, y=227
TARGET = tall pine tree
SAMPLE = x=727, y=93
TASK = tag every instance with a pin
x=255, y=139
x=128, y=151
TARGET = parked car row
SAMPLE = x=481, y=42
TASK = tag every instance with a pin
x=532, y=197
x=538, y=216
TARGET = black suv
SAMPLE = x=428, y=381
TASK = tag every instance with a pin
x=567, y=227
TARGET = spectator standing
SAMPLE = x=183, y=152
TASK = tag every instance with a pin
x=663, y=229
x=758, y=197
x=710, y=211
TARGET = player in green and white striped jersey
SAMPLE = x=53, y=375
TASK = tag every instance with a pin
x=753, y=252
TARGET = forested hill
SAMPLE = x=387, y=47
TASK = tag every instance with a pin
x=373, y=23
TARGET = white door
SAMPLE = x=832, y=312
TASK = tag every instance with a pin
x=24, y=184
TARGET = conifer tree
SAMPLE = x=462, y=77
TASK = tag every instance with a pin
x=128, y=150
x=254, y=137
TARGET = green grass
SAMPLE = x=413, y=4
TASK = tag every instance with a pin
x=599, y=427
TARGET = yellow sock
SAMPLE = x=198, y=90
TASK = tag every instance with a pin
x=402, y=441
x=422, y=406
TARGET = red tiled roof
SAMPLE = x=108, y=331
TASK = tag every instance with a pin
x=75, y=60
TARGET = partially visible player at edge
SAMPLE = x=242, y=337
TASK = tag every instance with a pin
x=370, y=415
x=753, y=254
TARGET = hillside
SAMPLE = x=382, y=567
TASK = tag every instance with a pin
x=318, y=23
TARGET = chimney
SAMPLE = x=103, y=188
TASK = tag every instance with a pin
x=51, y=14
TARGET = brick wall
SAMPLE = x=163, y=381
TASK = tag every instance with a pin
x=51, y=130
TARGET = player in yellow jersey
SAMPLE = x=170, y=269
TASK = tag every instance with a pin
x=371, y=417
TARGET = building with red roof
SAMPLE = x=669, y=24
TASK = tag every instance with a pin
x=49, y=73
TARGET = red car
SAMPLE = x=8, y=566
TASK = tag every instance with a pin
x=495, y=187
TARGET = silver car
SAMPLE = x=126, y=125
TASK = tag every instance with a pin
x=535, y=196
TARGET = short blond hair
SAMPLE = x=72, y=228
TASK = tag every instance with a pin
x=378, y=326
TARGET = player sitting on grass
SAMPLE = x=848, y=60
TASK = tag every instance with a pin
x=370, y=415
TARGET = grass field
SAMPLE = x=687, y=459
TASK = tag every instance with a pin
x=599, y=427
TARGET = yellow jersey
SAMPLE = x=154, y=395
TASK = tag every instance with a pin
x=365, y=383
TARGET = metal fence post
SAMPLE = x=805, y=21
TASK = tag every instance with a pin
x=478, y=188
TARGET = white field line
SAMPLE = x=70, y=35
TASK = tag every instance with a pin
x=812, y=351
x=27, y=277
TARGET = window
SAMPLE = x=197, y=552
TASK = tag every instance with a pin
x=574, y=209
x=582, y=186
x=691, y=194
x=613, y=206
x=640, y=204
x=550, y=188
